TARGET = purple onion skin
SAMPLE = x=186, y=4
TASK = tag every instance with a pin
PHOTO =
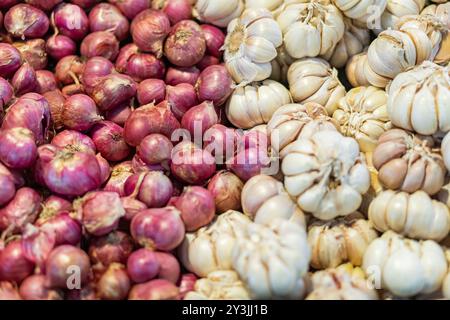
x=100, y=43
x=115, y=247
x=46, y=82
x=60, y=46
x=139, y=66
x=22, y=209
x=155, y=189
x=10, y=60
x=71, y=21
x=140, y=166
x=25, y=21
x=158, y=289
x=143, y=265
x=130, y=8
x=197, y=207
x=94, y=70
x=6, y=93
x=151, y=91
x=68, y=69
x=105, y=16
x=119, y=115
x=214, y=84
x=74, y=141
x=215, y=39
x=176, y=10
x=119, y=175
x=7, y=187
x=114, y=284
x=13, y=264
x=85, y=4
x=108, y=139
x=179, y=75
x=5, y=4
x=17, y=148
x=72, y=89
x=45, y=5
x=248, y=163
x=33, y=52
x=159, y=229
x=181, y=98
x=80, y=113
x=24, y=80
x=66, y=229
x=207, y=61
x=54, y=205
x=186, y=284
x=132, y=207
x=226, y=189
x=46, y=153
x=113, y=90
x=34, y=288
x=200, y=118
x=105, y=168
x=169, y=267
x=221, y=142
x=154, y=149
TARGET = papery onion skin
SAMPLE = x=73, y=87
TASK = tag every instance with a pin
x=108, y=139
x=46, y=153
x=158, y=289
x=132, y=207
x=105, y=16
x=94, y=70
x=80, y=112
x=226, y=189
x=160, y=229
x=155, y=148
x=46, y=82
x=197, y=207
x=45, y=5
x=9, y=291
x=140, y=166
x=176, y=10
x=74, y=141
x=186, y=284
x=17, y=148
x=6, y=93
x=34, y=288
x=71, y=21
x=151, y=91
x=214, y=84
x=7, y=187
x=113, y=90
x=24, y=80
x=68, y=69
x=181, y=98
x=33, y=51
x=119, y=115
x=139, y=66
x=143, y=265
x=25, y=21
x=214, y=38
x=10, y=60
x=179, y=75
x=13, y=264
x=155, y=189
x=54, y=205
x=130, y=8
x=169, y=267
x=114, y=247
x=66, y=229
x=85, y=4
x=105, y=168
x=114, y=283
x=119, y=175
x=100, y=43
x=60, y=46
x=207, y=61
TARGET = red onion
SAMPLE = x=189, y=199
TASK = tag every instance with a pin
x=139, y=66
x=115, y=247
x=226, y=189
x=17, y=148
x=25, y=21
x=253, y=139
x=130, y=8
x=13, y=264
x=207, y=61
x=87, y=292
x=153, y=188
x=74, y=141
x=140, y=166
x=150, y=119
x=63, y=263
x=46, y=82
x=113, y=90
x=158, y=289
x=37, y=244
x=68, y=69
x=105, y=169
x=22, y=209
x=176, y=76
x=71, y=21
x=24, y=80
x=6, y=93
x=100, y=212
x=187, y=284
x=221, y=142
x=94, y=70
x=33, y=51
x=192, y=164
x=151, y=91
x=160, y=229
x=197, y=207
x=200, y=118
x=155, y=148
x=132, y=207
x=114, y=284
x=119, y=175
x=59, y=46
x=185, y=46
x=46, y=5
x=215, y=39
x=5, y=4
x=7, y=186
x=108, y=138
x=80, y=113
x=248, y=163
x=181, y=98
x=46, y=153
x=72, y=173
x=54, y=205
x=106, y=17
x=34, y=288
x=214, y=84
x=100, y=43
x=9, y=291
x=149, y=29
x=143, y=265
x=10, y=60
x=176, y=10
x=119, y=115
x=86, y=4
x=169, y=268
x=66, y=229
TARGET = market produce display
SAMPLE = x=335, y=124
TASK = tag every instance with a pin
x=236, y=150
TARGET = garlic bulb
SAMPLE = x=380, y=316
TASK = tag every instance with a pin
x=280, y=65
x=264, y=199
x=342, y=283
x=445, y=149
x=270, y=5
x=362, y=114
x=310, y=29
x=326, y=174
x=219, y=285
x=365, y=11
x=418, y=99
x=218, y=12
x=255, y=103
x=359, y=73
x=209, y=248
x=338, y=241
x=399, y=8
x=272, y=261
x=407, y=162
x=405, y=267
x=313, y=80
x=353, y=42
x=440, y=11
x=251, y=44
x=414, y=215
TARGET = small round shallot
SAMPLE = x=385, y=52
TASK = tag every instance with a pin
x=152, y=188
x=226, y=189
x=108, y=139
x=197, y=207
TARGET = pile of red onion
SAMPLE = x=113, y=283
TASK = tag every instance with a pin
x=113, y=145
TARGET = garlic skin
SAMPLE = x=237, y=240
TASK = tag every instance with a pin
x=264, y=199
x=219, y=285
x=418, y=99
x=440, y=10
x=313, y=80
x=250, y=45
x=396, y=9
x=209, y=248
x=272, y=261
x=408, y=163
x=342, y=283
x=364, y=11
x=414, y=215
x=254, y=104
x=326, y=174
x=362, y=114
x=406, y=267
x=342, y=240
x=445, y=150
x=310, y=29
x=359, y=73
x=270, y=5
x=218, y=12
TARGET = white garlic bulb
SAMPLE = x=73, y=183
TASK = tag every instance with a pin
x=209, y=248
x=365, y=11
x=445, y=149
x=359, y=73
x=441, y=11
x=399, y=8
x=408, y=162
x=219, y=285
x=405, y=267
x=310, y=29
x=218, y=12
x=255, y=103
x=272, y=261
x=268, y=4
x=418, y=99
x=313, y=80
x=251, y=44
x=264, y=199
x=414, y=215
x=362, y=114
x=342, y=240
x=326, y=174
